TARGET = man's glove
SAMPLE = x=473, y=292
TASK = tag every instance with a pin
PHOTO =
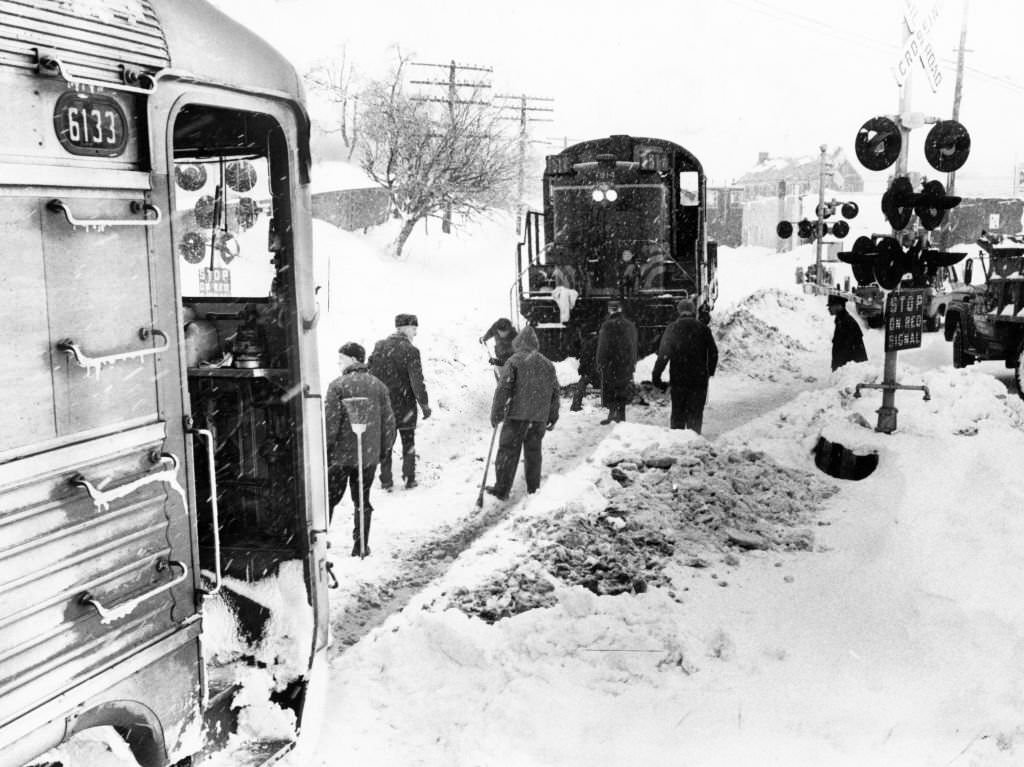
x=660, y=384
x=426, y=412
x=495, y=361
x=481, y=340
x=551, y=424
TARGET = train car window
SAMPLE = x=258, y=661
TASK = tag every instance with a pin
x=689, y=188
x=222, y=211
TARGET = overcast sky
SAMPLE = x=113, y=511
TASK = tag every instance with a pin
x=725, y=78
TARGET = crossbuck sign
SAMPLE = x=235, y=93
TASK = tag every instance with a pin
x=919, y=46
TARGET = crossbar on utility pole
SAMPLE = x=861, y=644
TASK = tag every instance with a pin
x=524, y=108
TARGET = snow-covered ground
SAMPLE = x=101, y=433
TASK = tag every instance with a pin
x=874, y=623
x=667, y=598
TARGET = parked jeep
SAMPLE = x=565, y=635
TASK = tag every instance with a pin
x=985, y=322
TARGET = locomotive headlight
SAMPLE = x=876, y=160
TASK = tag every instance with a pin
x=604, y=193
x=597, y=195
x=611, y=195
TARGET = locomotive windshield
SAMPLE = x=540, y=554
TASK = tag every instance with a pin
x=637, y=220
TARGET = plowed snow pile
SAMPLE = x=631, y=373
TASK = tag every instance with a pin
x=664, y=506
x=751, y=342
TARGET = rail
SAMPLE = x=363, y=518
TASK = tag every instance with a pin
x=75, y=353
x=109, y=614
x=59, y=206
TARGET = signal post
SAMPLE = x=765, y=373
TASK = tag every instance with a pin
x=881, y=142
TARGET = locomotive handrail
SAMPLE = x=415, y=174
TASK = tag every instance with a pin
x=59, y=206
x=101, y=498
x=211, y=469
x=108, y=614
x=74, y=351
x=49, y=64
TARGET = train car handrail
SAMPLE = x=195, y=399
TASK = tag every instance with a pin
x=48, y=63
x=74, y=351
x=59, y=206
x=109, y=614
x=101, y=498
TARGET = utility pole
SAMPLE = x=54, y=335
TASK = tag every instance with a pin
x=526, y=105
x=958, y=89
x=452, y=83
x=819, y=228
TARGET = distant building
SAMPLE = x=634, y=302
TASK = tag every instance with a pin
x=343, y=195
x=781, y=176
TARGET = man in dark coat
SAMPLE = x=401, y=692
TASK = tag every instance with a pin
x=526, y=405
x=369, y=402
x=503, y=332
x=848, y=338
x=691, y=353
x=587, y=369
x=616, y=361
x=396, y=362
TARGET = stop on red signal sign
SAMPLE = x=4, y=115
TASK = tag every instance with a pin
x=904, y=316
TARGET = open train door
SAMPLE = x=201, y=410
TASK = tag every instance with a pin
x=242, y=284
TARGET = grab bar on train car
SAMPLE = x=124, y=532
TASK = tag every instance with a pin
x=108, y=614
x=74, y=351
x=101, y=498
x=211, y=469
x=48, y=63
x=59, y=206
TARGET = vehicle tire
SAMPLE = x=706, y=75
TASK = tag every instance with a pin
x=933, y=322
x=876, y=321
x=961, y=358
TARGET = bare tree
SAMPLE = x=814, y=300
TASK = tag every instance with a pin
x=432, y=159
x=336, y=80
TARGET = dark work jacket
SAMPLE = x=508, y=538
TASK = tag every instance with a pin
x=847, y=341
x=502, y=344
x=616, y=357
x=356, y=381
x=690, y=351
x=588, y=358
x=396, y=362
x=528, y=386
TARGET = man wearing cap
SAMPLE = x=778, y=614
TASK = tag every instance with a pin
x=370, y=403
x=396, y=362
x=616, y=361
x=690, y=351
x=848, y=338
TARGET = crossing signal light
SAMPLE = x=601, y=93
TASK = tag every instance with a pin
x=883, y=260
x=805, y=229
x=947, y=145
x=840, y=229
x=932, y=203
x=900, y=202
x=784, y=229
x=878, y=143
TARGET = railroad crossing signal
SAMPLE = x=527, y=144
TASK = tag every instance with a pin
x=883, y=260
x=918, y=46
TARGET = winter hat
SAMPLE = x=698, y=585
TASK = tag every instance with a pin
x=504, y=324
x=353, y=350
x=686, y=308
x=834, y=300
x=401, y=320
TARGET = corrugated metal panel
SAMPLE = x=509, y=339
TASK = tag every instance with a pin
x=94, y=38
x=56, y=544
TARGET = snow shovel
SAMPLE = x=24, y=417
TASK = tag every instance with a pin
x=358, y=410
x=487, y=465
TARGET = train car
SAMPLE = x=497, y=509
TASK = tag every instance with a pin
x=624, y=218
x=162, y=485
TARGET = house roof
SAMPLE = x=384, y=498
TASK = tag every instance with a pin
x=805, y=166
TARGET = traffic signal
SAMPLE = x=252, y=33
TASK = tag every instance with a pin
x=932, y=204
x=808, y=230
x=878, y=143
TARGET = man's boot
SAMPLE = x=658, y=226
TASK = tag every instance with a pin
x=367, y=516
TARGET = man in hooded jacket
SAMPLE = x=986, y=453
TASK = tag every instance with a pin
x=526, y=405
x=847, y=338
x=344, y=464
